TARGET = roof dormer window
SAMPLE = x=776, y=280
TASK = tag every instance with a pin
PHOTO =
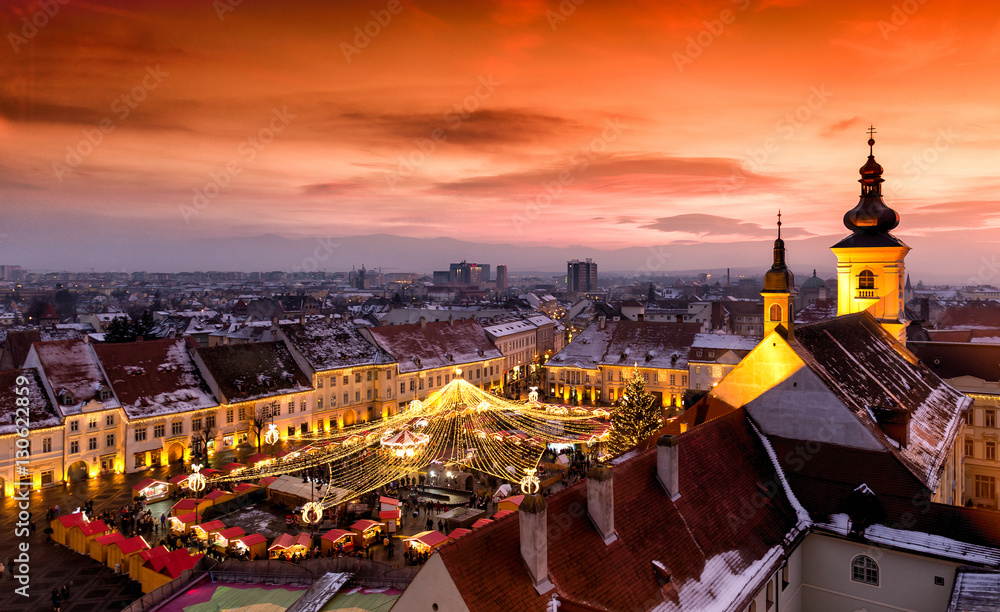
x=66, y=397
x=104, y=394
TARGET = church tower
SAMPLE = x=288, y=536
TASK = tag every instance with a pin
x=870, y=271
x=779, y=292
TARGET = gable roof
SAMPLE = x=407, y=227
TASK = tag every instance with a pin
x=647, y=344
x=154, y=377
x=72, y=365
x=41, y=412
x=954, y=359
x=328, y=346
x=435, y=345
x=246, y=372
x=867, y=370
x=716, y=554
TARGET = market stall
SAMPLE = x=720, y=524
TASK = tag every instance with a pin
x=220, y=539
x=499, y=514
x=482, y=523
x=202, y=531
x=99, y=547
x=80, y=536
x=62, y=524
x=179, y=481
x=337, y=540
x=388, y=503
x=140, y=559
x=426, y=541
x=391, y=519
x=161, y=569
x=280, y=546
x=184, y=506
x=365, y=532
x=179, y=525
x=122, y=551
x=511, y=503
x=458, y=532
x=151, y=489
x=254, y=545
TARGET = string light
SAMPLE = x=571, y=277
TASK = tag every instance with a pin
x=196, y=481
x=272, y=436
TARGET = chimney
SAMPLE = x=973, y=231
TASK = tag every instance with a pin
x=895, y=423
x=602, y=321
x=302, y=317
x=601, y=501
x=925, y=309
x=666, y=465
x=451, y=320
x=534, y=530
x=422, y=322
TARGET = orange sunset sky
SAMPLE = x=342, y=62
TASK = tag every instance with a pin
x=679, y=124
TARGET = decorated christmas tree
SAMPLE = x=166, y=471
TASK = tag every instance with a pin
x=636, y=418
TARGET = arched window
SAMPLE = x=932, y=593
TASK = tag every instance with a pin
x=865, y=570
x=866, y=280
x=775, y=312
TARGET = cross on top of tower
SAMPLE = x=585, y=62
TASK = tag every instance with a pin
x=871, y=139
x=779, y=223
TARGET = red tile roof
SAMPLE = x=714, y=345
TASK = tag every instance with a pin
x=950, y=360
x=154, y=377
x=335, y=534
x=252, y=371
x=132, y=545
x=71, y=365
x=435, y=345
x=707, y=539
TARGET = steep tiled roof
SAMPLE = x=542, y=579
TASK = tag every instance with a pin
x=253, y=371
x=975, y=591
x=864, y=367
x=716, y=552
x=649, y=344
x=72, y=365
x=975, y=315
x=154, y=377
x=41, y=412
x=820, y=310
x=328, y=346
x=435, y=345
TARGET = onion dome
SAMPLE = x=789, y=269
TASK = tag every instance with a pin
x=871, y=215
x=779, y=278
x=813, y=282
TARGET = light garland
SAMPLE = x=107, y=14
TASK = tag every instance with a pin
x=272, y=436
x=530, y=483
x=312, y=513
x=196, y=481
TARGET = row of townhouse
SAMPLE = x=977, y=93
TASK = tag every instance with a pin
x=105, y=408
x=594, y=367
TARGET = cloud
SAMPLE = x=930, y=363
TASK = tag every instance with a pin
x=704, y=226
x=839, y=126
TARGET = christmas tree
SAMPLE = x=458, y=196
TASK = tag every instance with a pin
x=636, y=418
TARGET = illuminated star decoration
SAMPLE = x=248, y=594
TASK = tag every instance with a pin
x=196, y=481
x=272, y=436
x=530, y=483
x=312, y=513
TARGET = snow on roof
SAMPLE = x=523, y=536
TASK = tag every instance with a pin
x=247, y=372
x=154, y=377
x=647, y=344
x=329, y=346
x=435, y=345
x=975, y=590
x=730, y=342
x=866, y=369
x=41, y=412
x=71, y=365
x=507, y=328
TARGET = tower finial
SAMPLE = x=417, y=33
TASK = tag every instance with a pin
x=779, y=224
x=871, y=139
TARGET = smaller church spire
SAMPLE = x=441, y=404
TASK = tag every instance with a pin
x=871, y=215
x=778, y=278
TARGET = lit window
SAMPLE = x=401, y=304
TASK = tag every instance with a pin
x=986, y=487
x=864, y=570
x=968, y=447
x=990, y=419
x=866, y=280
x=775, y=314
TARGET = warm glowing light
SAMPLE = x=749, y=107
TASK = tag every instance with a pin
x=196, y=481
x=530, y=483
x=312, y=513
x=272, y=436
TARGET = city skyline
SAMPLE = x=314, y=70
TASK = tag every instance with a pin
x=132, y=131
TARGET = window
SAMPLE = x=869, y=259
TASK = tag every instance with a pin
x=291, y=431
x=970, y=417
x=91, y=443
x=158, y=430
x=140, y=459
x=402, y=387
x=986, y=487
x=784, y=577
x=439, y=380
x=319, y=403
x=346, y=379
x=347, y=398
x=74, y=425
x=357, y=396
x=673, y=379
x=369, y=375
x=243, y=413
x=388, y=374
x=769, y=595
x=319, y=383
x=109, y=440
x=305, y=428
x=46, y=445
x=92, y=423
x=357, y=377
x=864, y=570
x=866, y=280
x=74, y=447
x=229, y=416
x=109, y=420
x=47, y=477
x=775, y=312
x=421, y=384
x=140, y=435
x=991, y=451
x=684, y=380
x=968, y=447
x=990, y=418
x=302, y=404
x=413, y=385
x=210, y=422
x=177, y=428
x=195, y=424
x=369, y=394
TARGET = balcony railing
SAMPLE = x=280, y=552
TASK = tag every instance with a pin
x=866, y=293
